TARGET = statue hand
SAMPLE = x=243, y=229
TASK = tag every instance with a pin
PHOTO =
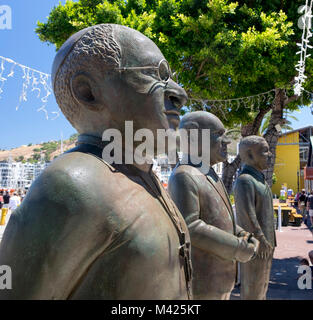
x=246, y=249
x=243, y=234
x=250, y=238
x=255, y=242
x=265, y=249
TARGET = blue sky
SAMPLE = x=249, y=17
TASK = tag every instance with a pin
x=22, y=45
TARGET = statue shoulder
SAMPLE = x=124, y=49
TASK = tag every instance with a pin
x=244, y=180
x=73, y=177
x=185, y=174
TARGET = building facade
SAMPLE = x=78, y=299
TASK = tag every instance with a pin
x=292, y=156
x=163, y=169
x=18, y=175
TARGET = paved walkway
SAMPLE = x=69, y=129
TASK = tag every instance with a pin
x=293, y=244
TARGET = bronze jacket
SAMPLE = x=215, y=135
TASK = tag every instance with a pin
x=88, y=231
x=205, y=205
x=254, y=204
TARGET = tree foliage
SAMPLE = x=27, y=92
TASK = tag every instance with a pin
x=287, y=125
x=220, y=49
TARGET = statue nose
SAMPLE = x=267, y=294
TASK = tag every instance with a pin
x=175, y=94
x=226, y=140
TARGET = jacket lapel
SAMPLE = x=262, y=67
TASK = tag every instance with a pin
x=220, y=189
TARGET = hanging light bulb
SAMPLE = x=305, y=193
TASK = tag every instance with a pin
x=36, y=80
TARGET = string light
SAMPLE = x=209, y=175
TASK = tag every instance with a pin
x=253, y=103
x=33, y=80
x=304, y=45
x=40, y=81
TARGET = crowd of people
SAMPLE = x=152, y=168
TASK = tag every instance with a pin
x=11, y=200
x=303, y=202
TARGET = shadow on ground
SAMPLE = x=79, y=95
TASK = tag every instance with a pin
x=283, y=282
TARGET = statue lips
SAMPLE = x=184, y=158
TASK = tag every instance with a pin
x=173, y=118
x=172, y=114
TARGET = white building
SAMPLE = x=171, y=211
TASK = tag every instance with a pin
x=18, y=175
x=163, y=169
x=218, y=168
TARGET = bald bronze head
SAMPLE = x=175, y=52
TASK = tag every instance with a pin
x=218, y=140
x=108, y=74
x=254, y=151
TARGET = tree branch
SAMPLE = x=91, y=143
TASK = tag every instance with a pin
x=291, y=99
x=200, y=68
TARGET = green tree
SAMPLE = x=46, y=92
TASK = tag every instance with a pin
x=219, y=49
x=36, y=156
x=73, y=137
x=274, y=178
x=19, y=159
x=286, y=126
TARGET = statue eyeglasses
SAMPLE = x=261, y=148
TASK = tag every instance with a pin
x=163, y=69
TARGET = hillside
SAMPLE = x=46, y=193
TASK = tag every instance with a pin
x=49, y=150
x=33, y=153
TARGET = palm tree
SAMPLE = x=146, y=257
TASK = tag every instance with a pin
x=286, y=126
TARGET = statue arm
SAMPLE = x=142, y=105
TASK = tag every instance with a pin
x=245, y=206
x=52, y=239
x=239, y=231
x=183, y=190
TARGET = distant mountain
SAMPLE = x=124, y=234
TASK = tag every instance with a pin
x=50, y=150
x=46, y=151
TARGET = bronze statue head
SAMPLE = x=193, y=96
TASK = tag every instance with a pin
x=218, y=140
x=107, y=74
x=254, y=151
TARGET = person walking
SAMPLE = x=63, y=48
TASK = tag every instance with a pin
x=6, y=200
x=296, y=202
x=310, y=208
x=15, y=201
x=1, y=199
x=302, y=201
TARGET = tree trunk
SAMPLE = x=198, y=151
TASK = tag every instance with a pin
x=272, y=133
x=271, y=136
x=230, y=169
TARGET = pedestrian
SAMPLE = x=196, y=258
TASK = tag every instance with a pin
x=310, y=207
x=1, y=199
x=6, y=200
x=311, y=256
x=302, y=201
x=15, y=201
x=296, y=201
x=23, y=195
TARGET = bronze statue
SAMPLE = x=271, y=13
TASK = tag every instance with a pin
x=92, y=230
x=217, y=242
x=254, y=209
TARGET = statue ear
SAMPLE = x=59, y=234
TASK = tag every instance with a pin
x=86, y=91
x=249, y=154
